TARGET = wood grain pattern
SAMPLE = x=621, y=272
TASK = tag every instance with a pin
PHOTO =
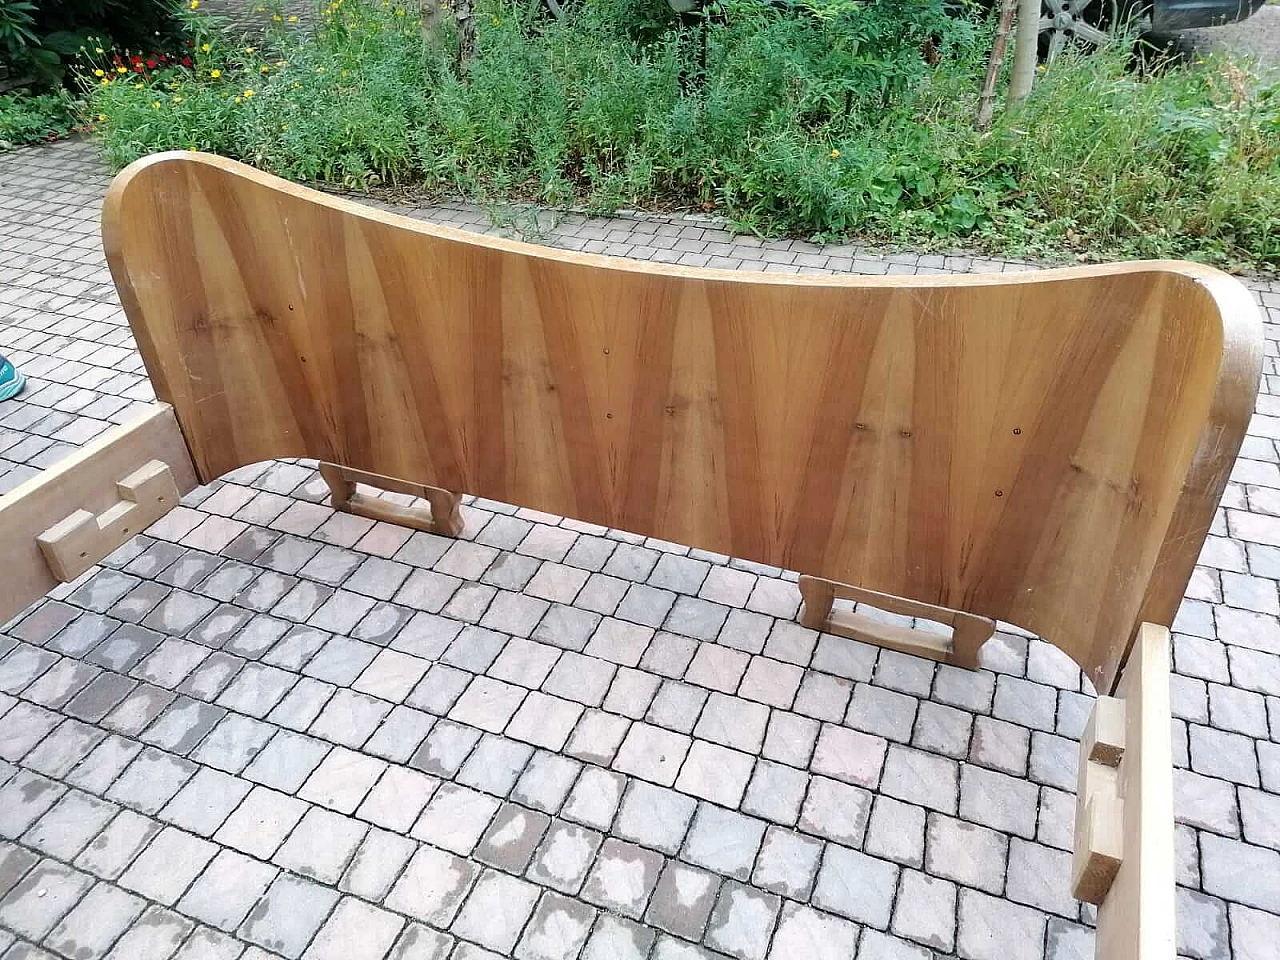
x=1047, y=449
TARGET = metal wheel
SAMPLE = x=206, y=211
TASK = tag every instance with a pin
x=1086, y=22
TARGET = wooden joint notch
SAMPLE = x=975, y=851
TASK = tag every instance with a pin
x=968, y=631
x=1099, y=840
x=442, y=515
x=81, y=539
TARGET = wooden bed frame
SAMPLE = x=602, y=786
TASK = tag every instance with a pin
x=1046, y=449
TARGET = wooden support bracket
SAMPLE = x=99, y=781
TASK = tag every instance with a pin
x=444, y=515
x=78, y=541
x=968, y=631
x=69, y=516
x=1124, y=859
x=1099, y=843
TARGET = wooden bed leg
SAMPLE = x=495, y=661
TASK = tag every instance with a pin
x=968, y=631
x=1124, y=857
x=444, y=516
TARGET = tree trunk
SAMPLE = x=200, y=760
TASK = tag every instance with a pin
x=1025, y=51
x=431, y=17
x=987, y=102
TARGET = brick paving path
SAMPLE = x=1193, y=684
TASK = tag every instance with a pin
x=265, y=729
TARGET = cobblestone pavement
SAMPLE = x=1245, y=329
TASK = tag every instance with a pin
x=265, y=729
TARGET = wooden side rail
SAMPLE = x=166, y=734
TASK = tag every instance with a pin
x=443, y=514
x=1124, y=857
x=968, y=631
x=60, y=522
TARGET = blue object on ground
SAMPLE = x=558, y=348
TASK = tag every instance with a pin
x=11, y=381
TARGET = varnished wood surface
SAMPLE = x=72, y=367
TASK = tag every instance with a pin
x=1047, y=449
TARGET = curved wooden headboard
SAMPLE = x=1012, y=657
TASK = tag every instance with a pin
x=1044, y=448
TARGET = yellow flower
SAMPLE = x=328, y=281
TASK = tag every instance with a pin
x=250, y=49
x=322, y=69
x=264, y=69
x=102, y=116
x=105, y=82
x=277, y=18
x=205, y=47
x=835, y=154
x=177, y=99
x=215, y=74
x=238, y=99
x=248, y=94
x=137, y=86
x=98, y=50
x=98, y=73
x=121, y=70
x=195, y=4
x=293, y=19
x=155, y=104
x=497, y=21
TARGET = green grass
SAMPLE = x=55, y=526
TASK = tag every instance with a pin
x=828, y=121
x=26, y=119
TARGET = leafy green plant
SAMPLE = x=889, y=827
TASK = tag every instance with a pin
x=31, y=119
x=825, y=118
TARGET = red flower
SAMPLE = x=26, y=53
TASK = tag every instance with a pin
x=137, y=68
x=135, y=60
x=151, y=64
x=186, y=61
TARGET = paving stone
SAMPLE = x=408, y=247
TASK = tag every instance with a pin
x=421, y=943
x=682, y=900
x=446, y=748
x=743, y=922
x=559, y=928
x=496, y=911
x=286, y=761
x=715, y=773
x=993, y=929
x=40, y=899
x=432, y=886
x=723, y=841
x=1201, y=926
x=355, y=931
x=925, y=911
x=623, y=878
x=69, y=825
x=1205, y=803
x=495, y=765
x=965, y=852
x=849, y=756
x=836, y=811
x=205, y=801
x=227, y=889
x=882, y=712
x=896, y=832
x=259, y=825
x=1240, y=872
x=342, y=780
x=652, y=753
x=546, y=781
x=654, y=817
x=998, y=801
x=511, y=838
x=234, y=742
x=118, y=845
x=320, y=845
x=376, y=864
x=1040, y=876
x=718, y=668
x=615, y=938
x=733, y=722
x=455, y=818
x=595, y=798
x=1068, y=941
x=151, y=780
x=168, y=865
x=1253, y=933
x=805, y=932
x=776, y=792
x=154, y=936
x=288, y=915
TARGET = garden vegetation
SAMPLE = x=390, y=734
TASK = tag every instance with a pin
x=829, y=119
